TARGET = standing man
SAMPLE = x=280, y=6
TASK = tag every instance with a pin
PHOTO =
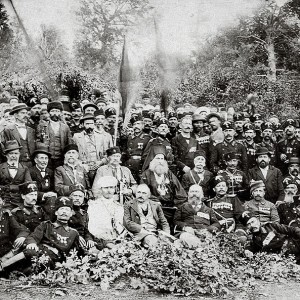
x=229, y=145
x=249, y=144
x=54, y=134
x=271, y=176
x=136, y=146
x=217, y=135
x=19, y=131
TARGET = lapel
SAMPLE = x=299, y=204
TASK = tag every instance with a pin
x=260, y=174
x=20, y=172
x=270, y=173
x=69, y=174
x=153, y=208
x=182, y=141
x=15, y=134
x=50, y=131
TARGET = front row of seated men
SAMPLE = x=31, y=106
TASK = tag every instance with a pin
x=27, y=232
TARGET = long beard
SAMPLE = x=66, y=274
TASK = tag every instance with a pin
x=159, y=167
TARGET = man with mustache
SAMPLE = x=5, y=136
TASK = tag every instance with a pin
x=160, y=140
x=270, y=175
x=215, y=123
x=55, y=134
x=44, y=178
x=91, y=145
x=229, y=210
x=184, y=147
x=126, y=183
x=229, y=145
x=144, y=218
x=136, y=146
x=267, y=135
x=289, y=146
x=239, y=122
x=271, y=238
x=76, y=112
x=173, y=125
x=198, y=175
x=294, y=170
x=258, y=206
x=194, y=216
x=72, y=172
x=19, y=131
x=257, y=120
x=12, y=174
x=163, y=184
x=250, y=145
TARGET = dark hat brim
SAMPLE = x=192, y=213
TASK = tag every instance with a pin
x=13, y=111
x=12, y=149
x=42, y=152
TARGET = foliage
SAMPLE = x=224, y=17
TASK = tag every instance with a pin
x=216, y=268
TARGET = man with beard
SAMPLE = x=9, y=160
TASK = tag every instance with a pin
x=267, y=135
x=278, y=132
x=159, y=141
x=30, y=215
x=12, y=174
x=144, y=218
x=272, y=238
x=287, y=208
x=72, y=172
x=100, y=122
x=289, y=146
x=89, y=108
x=184, y=147
x=111, y=117
x=199, y=134
x=194, y=216
x=136, y=146
x=55, y=134
x=92, y=147
x=259, y=207
x=238, y=120
x=19, y=131
x=164, y=185
x=198, y=175
x=271, y=176
x=249, y=144
x=109, y=226
x=44, y=178
x=229, y=145
x=148, y=121
x=75, y=125
x=294, y=170
x=173, y=123
x=229, y=210
x=236, y=180
x=217, y=135
x=126, y=183
x=35, y=111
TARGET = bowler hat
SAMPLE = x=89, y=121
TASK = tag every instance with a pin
x=11, y=145
x=213, y=115
x=89, y=105
x=262, y=151
x=41, y=149
x=87, y=117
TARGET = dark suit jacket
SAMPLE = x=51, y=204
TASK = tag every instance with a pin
x=44, y=134
x=132, y=220
x=11, y=185
x=273, y=182
x=11, y=133
x=45, y=184
x=184, y=153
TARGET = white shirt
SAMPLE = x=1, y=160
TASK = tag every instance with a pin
x=265, y=171
x=22, y=130
x=102, y=214
x=55, y=126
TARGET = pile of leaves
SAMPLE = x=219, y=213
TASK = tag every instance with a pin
x=217, y=267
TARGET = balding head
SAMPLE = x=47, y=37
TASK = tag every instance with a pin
x=142, y=193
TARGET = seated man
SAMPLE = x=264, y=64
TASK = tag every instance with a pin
x=72, y=172
x=271, y=237
x=198, y=175
x=228, y=209
x=126, y=182
x=193, y=216
x=55, y=240
x=79, y=220
x=30, y=215
x=105, y=213
x=259, y=207
x=12, y=173
x=143, y=217
x=12, y=234
x=164, y=185
x=287, y=208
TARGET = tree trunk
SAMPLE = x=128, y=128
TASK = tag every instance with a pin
x=271, y=57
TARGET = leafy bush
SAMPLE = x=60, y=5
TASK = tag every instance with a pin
x=215, y=268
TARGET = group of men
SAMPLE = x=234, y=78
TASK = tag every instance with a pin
x=74, y=176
